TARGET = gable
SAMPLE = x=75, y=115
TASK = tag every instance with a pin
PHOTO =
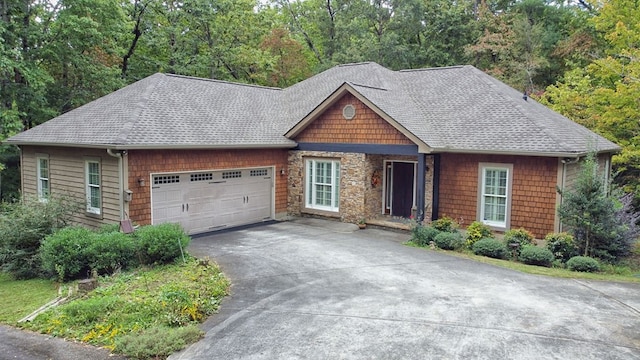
x=366, y=127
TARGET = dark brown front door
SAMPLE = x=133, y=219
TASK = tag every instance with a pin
x=402, y=189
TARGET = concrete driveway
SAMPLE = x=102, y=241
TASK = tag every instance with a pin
x=313, y=289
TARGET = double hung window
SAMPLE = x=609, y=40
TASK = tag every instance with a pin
x=322, y=184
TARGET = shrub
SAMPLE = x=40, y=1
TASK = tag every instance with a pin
x=490, y=247
x=109, y=228
x=604, y=224
x=161, y=244
x=23, y=227
x=111, y=251
x=534, y=255
x=448, y=240
x=65, y=253
x=446, y=224
x=157, y=342
x=583, y=264
x=561, y=245
x=477, y=231
x=520, y=236
x=422, y=235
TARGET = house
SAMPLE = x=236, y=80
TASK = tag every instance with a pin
x=354, y=141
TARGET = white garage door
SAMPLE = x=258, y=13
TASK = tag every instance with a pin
x=212, y=200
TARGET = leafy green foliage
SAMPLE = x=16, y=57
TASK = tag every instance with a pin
x=448, y=240
x=476, y=231
x=65, y=253
x=603, y=94
x=157, y=342
x=490, y=247
x=445, y=224
x=583, y=264
x=534, y=255
x=561, y=245
x=422, y=235
x=161, y=244
x=23, y=227
x=121, y=313
x=518, y=236
x=111, y=251
x=601, y=225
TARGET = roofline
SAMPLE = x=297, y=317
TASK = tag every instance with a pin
x=157, y=147
x=335, y=96
x=553, y=154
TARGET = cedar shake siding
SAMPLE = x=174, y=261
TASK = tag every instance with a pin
x=67, y=178
x=142, y=163
x=366, y=127
x=533, y=202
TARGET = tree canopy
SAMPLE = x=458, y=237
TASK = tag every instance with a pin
x=581, y=57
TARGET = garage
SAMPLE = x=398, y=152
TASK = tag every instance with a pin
x=212, y=200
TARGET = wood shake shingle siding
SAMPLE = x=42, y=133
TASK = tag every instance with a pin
x=143, y=163
x=366, y=127
x=67, y=178
x=533, y=198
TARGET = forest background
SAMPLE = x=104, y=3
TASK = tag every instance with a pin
x=580, y=57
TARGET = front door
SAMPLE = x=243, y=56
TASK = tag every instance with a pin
x=402, y=186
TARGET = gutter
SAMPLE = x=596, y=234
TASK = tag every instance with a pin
x=120, y=178
x=116, y=147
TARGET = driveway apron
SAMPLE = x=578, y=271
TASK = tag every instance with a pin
x=314, y=289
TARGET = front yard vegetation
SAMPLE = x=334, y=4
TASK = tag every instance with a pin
x=150, y=297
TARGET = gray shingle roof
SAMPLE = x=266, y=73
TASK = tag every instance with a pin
x=163, y=111
x=457, y=109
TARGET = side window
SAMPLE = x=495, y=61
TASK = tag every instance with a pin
x=495, y=194
x=42, y=170
x=94, y=187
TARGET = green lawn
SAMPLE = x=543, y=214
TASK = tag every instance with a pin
x=21, y=297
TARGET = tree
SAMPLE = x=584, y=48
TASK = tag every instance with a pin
x=605, y=95
x=603, y=225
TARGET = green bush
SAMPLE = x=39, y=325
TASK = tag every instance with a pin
x=157, y=342
x=23, y=227
x=476, y=231
x=108, y=228
x=110, y=251
x=422, y=235
x=448, y=240
x=561, y=245
x=490, y=247
x=64, y=253
x=446, y=224
x=534, y=255
x=520, y=236
x=583, y=264
x=161, y=244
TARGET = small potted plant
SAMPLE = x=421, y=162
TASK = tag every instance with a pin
x=362, y=223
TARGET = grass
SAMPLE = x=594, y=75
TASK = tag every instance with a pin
x=21, y=297
x=130, y=311
x=608, y=273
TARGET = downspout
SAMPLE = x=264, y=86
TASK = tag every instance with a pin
x=436, y=187
x=565, y=162
x=118, y=155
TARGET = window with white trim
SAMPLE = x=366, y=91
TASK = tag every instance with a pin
x=322, y=190
x=94, y=191
x=43, y=178
x=495, y=195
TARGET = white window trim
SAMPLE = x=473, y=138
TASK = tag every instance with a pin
x=482, y=167
x=41, y=196
x=310, y=195
x=92, y=209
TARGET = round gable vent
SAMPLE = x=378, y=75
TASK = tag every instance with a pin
x=349, y=112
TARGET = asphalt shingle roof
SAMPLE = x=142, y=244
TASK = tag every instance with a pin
x=450, y=109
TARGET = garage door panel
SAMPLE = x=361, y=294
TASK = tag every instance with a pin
x=206, y=201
